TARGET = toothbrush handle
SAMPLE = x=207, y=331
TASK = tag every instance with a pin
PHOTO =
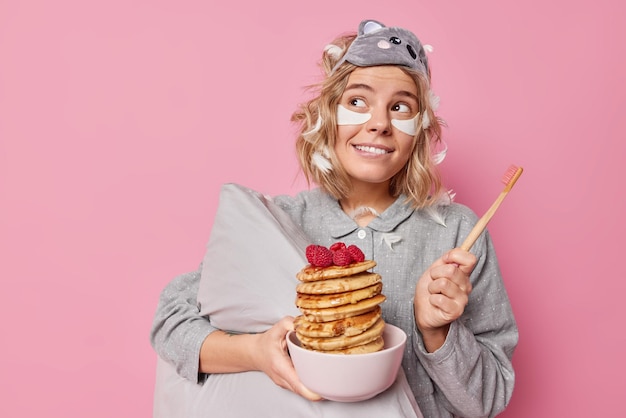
x=482, y=223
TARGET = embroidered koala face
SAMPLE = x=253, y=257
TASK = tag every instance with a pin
x=377, y=44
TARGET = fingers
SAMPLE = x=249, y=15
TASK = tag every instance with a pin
x=450, y=286
x=449, y=280
x=307, y=393
x=450, y=308
x=288, y=379
x=291, y=377
x=464, y=260
x=279, y=366
x=457, y=265
x=453, y=286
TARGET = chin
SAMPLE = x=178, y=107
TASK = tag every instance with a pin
x=373, y=179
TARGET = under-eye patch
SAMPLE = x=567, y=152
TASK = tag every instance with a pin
x=408, y=126
x=350, y=117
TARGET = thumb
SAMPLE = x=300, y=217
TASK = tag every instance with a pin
x=463, y=259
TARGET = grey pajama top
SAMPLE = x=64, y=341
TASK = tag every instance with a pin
x=471, y=375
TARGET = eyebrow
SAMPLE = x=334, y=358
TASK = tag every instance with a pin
x=357, y=86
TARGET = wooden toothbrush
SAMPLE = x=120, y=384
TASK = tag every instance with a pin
x=509, y=179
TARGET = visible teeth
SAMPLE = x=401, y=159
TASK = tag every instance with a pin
x=371, y=149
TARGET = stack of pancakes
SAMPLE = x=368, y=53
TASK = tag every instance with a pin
x=340, y=309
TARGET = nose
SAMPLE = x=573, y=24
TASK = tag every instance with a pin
x=380, y=122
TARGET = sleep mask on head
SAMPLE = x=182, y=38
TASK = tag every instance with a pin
x=377, y=44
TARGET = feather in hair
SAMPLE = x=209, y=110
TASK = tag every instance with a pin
x=436, y=211
x=320, y=160
x=425, y=120
x=434, y=100
x=318, y=125
x=334, y=51
x=438, y=157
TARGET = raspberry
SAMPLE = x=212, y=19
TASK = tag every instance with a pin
x=342, y=257
x=322, y=257
x=356, y=253
x=337, y=246
x=310, y=252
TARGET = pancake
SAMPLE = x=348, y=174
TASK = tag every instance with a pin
x=337, y=299
x=342, y=341
x=371, y=347
x=311, y=274
x=339, y=285
x=341, y=312
x=339, y=305
x=351, y=326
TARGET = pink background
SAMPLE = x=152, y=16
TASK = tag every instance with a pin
x=120, y=119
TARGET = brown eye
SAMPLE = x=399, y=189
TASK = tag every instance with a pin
x=401, y=107
x=357, y=102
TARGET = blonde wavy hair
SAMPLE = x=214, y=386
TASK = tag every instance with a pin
x=419, y=180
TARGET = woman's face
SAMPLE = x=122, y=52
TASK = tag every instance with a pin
x=376, y=126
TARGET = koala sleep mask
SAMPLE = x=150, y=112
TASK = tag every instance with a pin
x=377, y=44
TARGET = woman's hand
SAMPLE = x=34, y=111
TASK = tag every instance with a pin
x=273, y=359
x=224, y=352
x=441, y=295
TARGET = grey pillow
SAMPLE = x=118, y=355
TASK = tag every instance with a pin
x=248, y=279
x=253, y=394
x=247, y=284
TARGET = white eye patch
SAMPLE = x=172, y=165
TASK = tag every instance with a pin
x=350, y=117
x=408, y=126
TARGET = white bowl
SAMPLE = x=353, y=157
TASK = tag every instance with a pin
x=349, y=377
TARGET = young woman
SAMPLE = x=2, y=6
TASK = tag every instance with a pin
x=368, y=140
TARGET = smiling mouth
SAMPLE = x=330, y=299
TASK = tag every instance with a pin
x=372, y=150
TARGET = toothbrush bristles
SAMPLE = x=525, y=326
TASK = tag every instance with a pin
x=509, y=179
x=511, y=173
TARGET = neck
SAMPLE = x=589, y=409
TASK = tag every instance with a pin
x=365, y=202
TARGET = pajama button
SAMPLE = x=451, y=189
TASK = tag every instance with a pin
x=361, y=234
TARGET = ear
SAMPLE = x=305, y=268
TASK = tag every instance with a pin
x=368, y=26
